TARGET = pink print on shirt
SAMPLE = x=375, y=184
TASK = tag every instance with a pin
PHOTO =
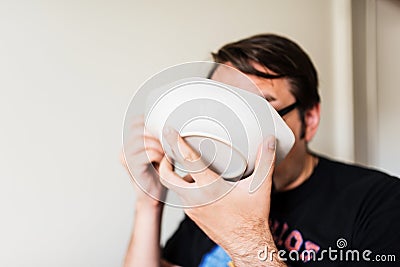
x=292, y=240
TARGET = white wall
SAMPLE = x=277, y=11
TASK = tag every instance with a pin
x=68, y=70
x=376, y=38
x=388, y=81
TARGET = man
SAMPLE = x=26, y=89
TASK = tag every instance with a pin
x=312, y=210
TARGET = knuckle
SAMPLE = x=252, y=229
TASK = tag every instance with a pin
x=188, y=157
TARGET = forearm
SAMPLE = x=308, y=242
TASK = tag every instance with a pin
x=262, y=255
x=257, y=248
x=144, y=247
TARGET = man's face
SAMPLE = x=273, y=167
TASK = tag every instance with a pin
x=277, y=93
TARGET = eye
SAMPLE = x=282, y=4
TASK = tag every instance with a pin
x=270, y=98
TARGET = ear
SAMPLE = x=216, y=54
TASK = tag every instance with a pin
x=311, y=119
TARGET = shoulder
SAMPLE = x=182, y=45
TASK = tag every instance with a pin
x=345, y=174
x=364, y=190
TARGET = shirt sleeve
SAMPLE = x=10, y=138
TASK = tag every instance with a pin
x=377, y=226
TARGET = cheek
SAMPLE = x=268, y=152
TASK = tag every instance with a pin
x=294, y=124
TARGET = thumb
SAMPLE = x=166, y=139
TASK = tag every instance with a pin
x=264, y=166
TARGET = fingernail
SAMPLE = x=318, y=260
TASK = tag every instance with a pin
x=167, y=130
x=271, y=143
x=170, y=134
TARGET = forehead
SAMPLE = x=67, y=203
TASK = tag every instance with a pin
x=232, y=76
x=277, y=91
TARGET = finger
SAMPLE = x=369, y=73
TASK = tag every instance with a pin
x=190, y=158
x=154, y=156
x=152, y=142
x=143, y=142
x=264, y=164
x=141, y=163
x=169, y=178
x=122, y=158
x=148, y=144
x=146, y=157
x=141, y=131
x=138, y=127
x=183, y=150
x=137, y=120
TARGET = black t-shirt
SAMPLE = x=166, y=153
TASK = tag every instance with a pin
x=343, y=215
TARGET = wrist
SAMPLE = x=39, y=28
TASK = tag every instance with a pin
x=148, y=205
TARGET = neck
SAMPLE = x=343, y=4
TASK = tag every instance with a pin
x=302, y=175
